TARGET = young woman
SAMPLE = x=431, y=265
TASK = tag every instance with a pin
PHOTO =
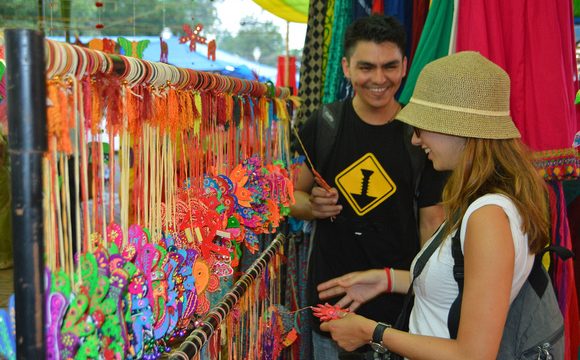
x=494, y=197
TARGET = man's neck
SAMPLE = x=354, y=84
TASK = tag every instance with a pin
x=376, y=116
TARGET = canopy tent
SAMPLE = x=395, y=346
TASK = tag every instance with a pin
x=243, y=72
x=289, y=10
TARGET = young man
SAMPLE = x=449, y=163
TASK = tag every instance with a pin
x=368, y=218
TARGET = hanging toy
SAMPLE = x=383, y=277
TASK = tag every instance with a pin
x=164, y=51
x=133, y=48
x=328, y=312
x=192, y=35
x=211, y=48
x=105, y=45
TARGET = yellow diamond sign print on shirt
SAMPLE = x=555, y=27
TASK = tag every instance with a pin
x=365, y=184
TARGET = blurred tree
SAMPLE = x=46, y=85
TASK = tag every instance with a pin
x=297, y=53
x=128, y=17
x=254, y=34
x=20, y=13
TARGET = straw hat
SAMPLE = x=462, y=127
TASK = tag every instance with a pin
x=463, y=94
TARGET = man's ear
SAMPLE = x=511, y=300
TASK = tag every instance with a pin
x=345, y=68
x=404, y=66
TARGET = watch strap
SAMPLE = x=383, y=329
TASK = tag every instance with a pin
x=378, y=332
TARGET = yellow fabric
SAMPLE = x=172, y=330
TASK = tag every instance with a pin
x=290, y=10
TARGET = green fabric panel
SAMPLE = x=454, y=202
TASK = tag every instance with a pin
x=334, y=74
x=434, y=43
x=576, y=4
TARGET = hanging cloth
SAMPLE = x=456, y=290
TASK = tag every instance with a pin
x=363, y=8
x=540, y=61
x=434, y=43
x=378, y=7
x=420, y=10
x=563, y=271
x=453, y=33
x=402, y=10
x=328, y=21
x=311, y=69
x=334, y=75
x=281, y=78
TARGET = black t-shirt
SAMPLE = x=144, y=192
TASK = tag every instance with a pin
x=371, y=167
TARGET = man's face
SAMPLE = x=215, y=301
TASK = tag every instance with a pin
x=376, y=72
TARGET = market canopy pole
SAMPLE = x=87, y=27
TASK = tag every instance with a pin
x=26, y=96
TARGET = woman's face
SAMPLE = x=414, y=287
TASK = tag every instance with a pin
x=443, y=150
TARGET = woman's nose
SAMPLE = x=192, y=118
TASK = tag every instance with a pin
x=415, y=140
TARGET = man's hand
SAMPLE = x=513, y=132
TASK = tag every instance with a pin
x=324, y=203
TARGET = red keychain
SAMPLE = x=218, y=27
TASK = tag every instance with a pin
x=317, y=176
x=328, y=312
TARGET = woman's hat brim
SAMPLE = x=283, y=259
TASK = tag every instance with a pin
x=458, y=123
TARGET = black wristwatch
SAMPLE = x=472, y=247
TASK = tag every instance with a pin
x=377, y=341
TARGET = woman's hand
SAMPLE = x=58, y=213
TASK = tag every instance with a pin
x=358, y=287
x=351, y=331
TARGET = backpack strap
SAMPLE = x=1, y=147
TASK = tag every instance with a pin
x=458, y=275
x=402, y=322
x=537, y=278
x=328, y=123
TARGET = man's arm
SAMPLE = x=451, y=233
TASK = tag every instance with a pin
x=313, y=202
x=430, y=218
x=302, y=208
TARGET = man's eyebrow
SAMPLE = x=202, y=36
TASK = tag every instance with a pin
x=365, y=63
x=391, y=63
x=387, y=64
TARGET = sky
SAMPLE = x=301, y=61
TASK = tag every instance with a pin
x=230, y=12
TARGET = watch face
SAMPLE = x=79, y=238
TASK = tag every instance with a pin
x=378, y=348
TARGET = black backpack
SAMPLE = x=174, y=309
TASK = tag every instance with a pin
x=534, y=326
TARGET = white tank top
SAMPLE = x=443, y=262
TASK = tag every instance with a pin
x=435, y=288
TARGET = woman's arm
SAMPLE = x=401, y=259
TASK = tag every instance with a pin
x=489, y=267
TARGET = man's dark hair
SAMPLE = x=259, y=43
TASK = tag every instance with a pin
x=375, y=28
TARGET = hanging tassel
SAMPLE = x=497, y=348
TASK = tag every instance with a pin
x=96, y=108
x=112, y=94
x=222, y=118
x=205, y=107
x=172, y=122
